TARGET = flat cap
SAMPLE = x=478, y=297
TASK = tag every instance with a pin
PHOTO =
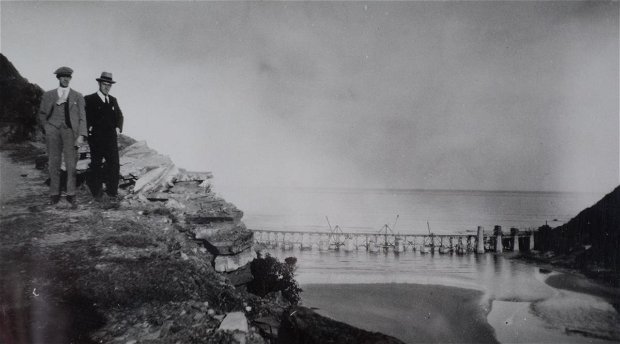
x=63, y=71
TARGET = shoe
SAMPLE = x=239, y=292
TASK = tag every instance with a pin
x=114, y=198
x=54, y=199
x=72, y=201
x=98, y=197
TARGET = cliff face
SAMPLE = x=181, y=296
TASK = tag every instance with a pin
x=167, y=264
x=19, y=101
x=592, y=237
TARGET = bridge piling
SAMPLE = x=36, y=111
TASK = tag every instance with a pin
x=480, y=241
x=515, y=239
x=499, y=245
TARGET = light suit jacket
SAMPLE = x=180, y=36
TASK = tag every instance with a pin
x=77, y=111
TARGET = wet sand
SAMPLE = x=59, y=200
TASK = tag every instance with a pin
x=413, y=313
x=580, y=284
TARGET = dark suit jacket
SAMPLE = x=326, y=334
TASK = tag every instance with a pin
x=76, y=110
x=95, y=119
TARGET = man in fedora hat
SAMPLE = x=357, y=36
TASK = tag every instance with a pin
x=63, y=121
x=105, y=122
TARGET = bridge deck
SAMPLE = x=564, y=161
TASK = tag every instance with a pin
x=399, y=242
x=521, y=234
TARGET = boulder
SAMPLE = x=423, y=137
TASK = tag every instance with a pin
x=241, y=276
x=153, y=172
x=174, y=204
x=237, y=323
x=187, y=176
x=234, y=321
x=204, y=231
x=150, y=169
x=212, y=211
x=160, y=178
x=227, y=241
x=234, y=262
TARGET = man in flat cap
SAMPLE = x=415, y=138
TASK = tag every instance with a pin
x=62, y=118
x=105, y=122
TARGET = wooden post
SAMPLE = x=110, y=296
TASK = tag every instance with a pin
x=499, y=246
x=531, y=241
x=480, y=241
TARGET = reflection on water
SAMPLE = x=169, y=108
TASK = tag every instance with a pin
x=498, y=277
x=515, y=290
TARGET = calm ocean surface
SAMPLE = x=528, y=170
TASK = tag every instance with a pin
x=514, y=292
x=367, y=210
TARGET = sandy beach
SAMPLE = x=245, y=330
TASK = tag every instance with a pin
x=572, y=282
x=413, y=313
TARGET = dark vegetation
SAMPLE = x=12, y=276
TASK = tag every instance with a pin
x=19, y=102
x=270, y=275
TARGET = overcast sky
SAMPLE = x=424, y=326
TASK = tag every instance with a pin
x=439, y=95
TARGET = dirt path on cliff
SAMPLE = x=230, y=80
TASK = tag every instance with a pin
x=9, y=177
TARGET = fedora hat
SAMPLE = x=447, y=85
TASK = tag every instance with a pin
x=106, y=77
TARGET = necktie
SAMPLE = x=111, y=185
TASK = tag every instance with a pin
x=106, y=99
x=64, y=100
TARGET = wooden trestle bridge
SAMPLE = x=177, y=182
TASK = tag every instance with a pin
x=387, y=240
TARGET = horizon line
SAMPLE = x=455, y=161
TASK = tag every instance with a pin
x=351, y=188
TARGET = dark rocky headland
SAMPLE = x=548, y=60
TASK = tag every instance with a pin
x=172, y=262
x=589, y=242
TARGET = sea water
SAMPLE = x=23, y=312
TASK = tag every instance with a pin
x=519, y=305
x=418, y=211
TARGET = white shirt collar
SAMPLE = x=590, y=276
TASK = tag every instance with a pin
x=60, y=91
x=102, y=96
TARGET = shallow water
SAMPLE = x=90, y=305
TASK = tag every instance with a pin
x=521, y=307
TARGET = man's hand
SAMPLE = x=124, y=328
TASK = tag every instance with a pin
x=118, y=131
x=79, y=141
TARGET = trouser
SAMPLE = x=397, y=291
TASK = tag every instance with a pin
x=61, y=141
x=104, y=172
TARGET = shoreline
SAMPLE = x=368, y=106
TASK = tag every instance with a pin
x=410, y=312
x=566, y=264
x=572, y=282
x=435, y=313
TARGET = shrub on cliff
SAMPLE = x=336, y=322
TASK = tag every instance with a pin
x=19, y=102
x=270, y=275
